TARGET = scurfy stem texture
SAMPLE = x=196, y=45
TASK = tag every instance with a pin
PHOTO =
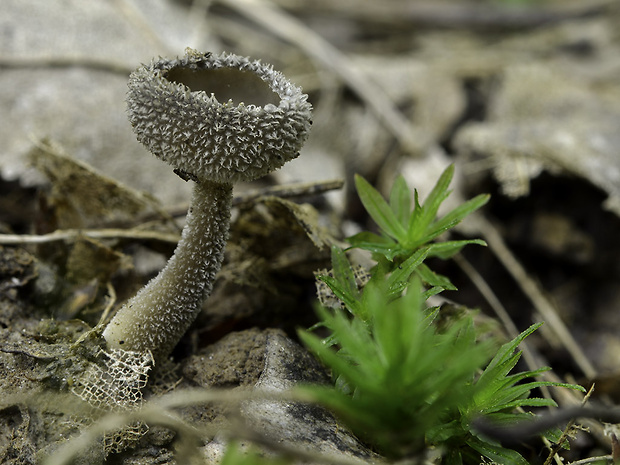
x=157, y=317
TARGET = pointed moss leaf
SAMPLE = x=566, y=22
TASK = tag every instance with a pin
x=467, y=335
x=431, y=314
x=379, y=210
x=370, y=238
x=349, y=300
x=527, y=402
x=507, y=418
x=444, y=432
x=353, y=339
x=438, y=194
x=343, y=272
x=402, y=273
x=415, y=228
x=497, y=383
x=554, y=435
x=518, y=377
x=434, y=279
x=447, y=249
x=497, y=453
x=430, y=214
x=432, y=291
x=493, y=378
x=386, y=330
x=517, y=396
x=400, y=200
x=489, y=387
x=575, y=387
x=396, y=325
x=375, y=244
x=505, y=352
x=456, y=215
x=330, y=357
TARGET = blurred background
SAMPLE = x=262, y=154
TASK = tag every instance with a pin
x=523, y=96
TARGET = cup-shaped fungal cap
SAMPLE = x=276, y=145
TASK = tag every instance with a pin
x=220, y=118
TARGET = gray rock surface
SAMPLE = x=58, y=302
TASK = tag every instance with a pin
x=64, y=72
x=270, y=362
x=543, y=119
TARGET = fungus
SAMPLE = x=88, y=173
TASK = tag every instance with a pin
x=218, y=120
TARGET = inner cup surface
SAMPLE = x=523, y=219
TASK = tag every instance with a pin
x=226, y=84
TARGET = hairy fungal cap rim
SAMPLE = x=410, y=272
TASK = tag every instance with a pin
x=220, y=118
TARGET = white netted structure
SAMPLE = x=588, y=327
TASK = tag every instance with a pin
x=325, y=295
x=116, y=384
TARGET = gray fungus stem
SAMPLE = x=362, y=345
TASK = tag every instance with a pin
x=157, y=317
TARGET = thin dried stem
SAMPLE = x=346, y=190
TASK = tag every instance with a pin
x=66, y=62
x=542, y=304
x=74, y=234
x=288, y=28
x=555, y=448
x=531, y=359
